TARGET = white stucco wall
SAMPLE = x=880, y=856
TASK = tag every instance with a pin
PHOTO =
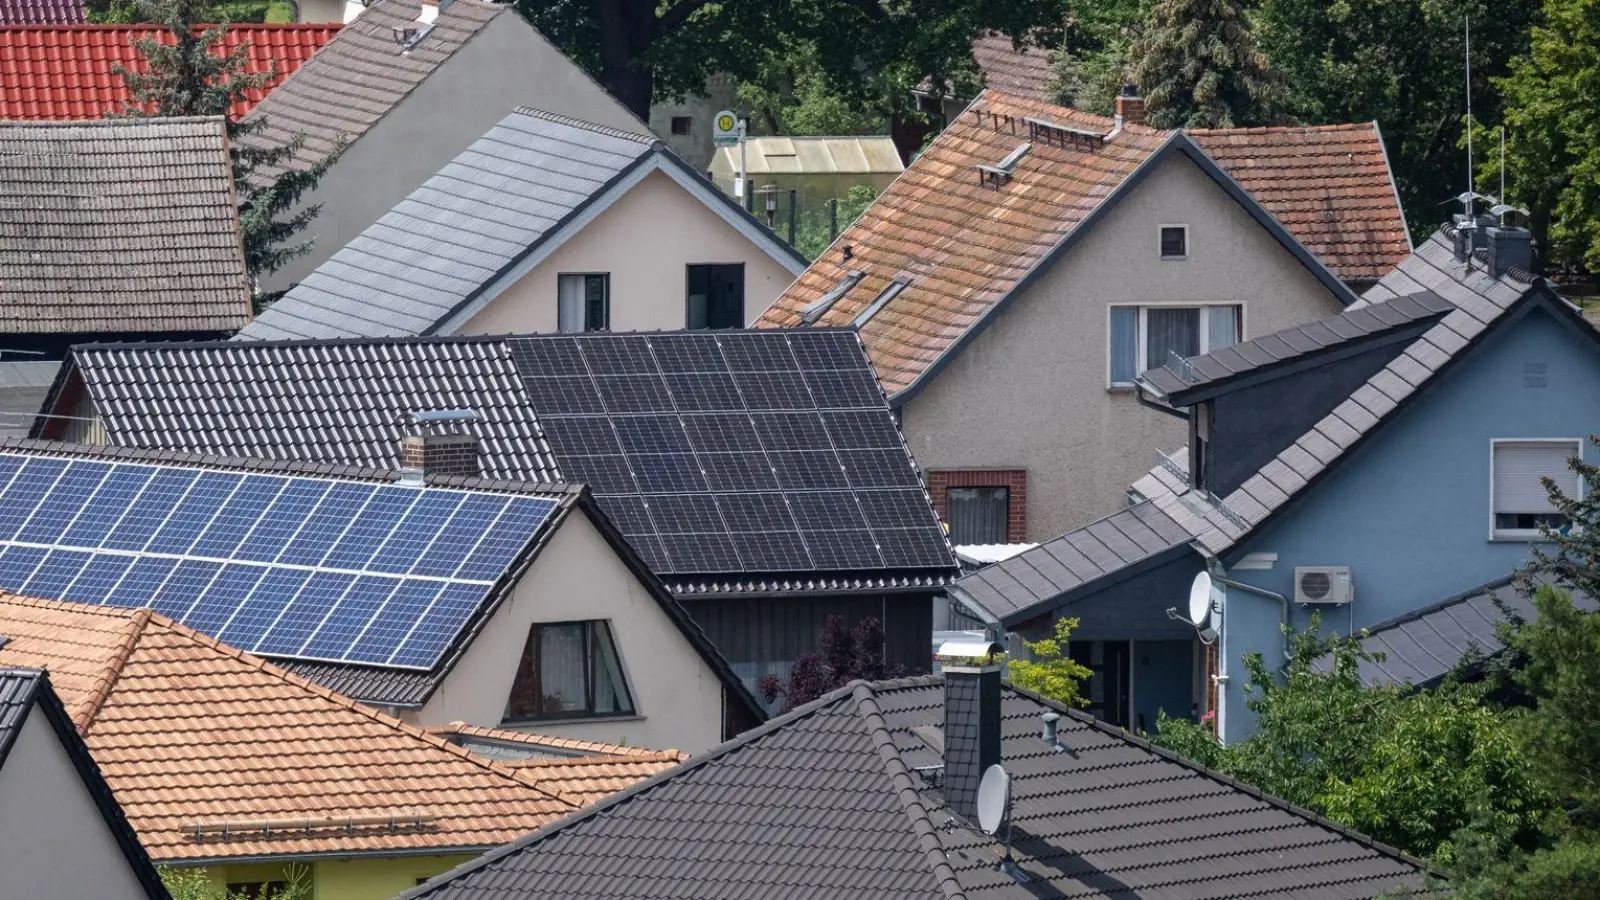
x=1031, y=391
x=506, y=65
x=644, y=240
x=53, y=840
x=677, y=696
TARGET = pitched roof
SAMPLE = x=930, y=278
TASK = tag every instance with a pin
x=829, y=801
x=734, y=461
x=41, y=12
x=1330, y=185
x=1216, y=526
x=486, y=210
x=1024, y=73
x=362, y=74
x=344, y=403
x=963, y=258
x=192, y=734
x=1312, y=342
x=56, y=72
x=119, y=227
x=24, y=689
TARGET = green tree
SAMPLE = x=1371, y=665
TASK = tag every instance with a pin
x=1552, y=121
x=1051, y=673
x=196, y=884
x=646, y=51
x=194, y=76
x=793, y=95
x=1197, y=66
x=1401, y=63
x=816, y=232
x=1412, y=769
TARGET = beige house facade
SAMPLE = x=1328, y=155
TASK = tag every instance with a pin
x=1030, y=400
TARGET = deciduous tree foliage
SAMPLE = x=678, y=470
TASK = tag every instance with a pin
x=643, y=50
x=1196, y=64
x=193, y=76
x=1552, y=120
x=1052, y=673
x=843, y=655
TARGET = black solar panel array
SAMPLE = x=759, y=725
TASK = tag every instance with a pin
x=735, y=451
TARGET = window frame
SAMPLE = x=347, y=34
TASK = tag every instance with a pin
x=1141, y=338
x=688, y=125
x=1161, y=235
x=1524, y=535
x=605, y=302
x=590, y=660
x=950, y=490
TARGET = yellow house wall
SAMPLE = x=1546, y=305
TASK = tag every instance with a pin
x=348, y=879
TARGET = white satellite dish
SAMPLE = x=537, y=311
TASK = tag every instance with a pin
x=994, y=799
x=1200, y=600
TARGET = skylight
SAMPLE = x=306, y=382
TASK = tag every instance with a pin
x=889, y=293
x=816, y=309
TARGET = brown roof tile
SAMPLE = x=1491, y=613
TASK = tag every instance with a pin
x=190, y=731
x=1021, y=73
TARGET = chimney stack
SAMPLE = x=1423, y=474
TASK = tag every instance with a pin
x=439, y=444
x=971, y=733
x=1130, y=106
x=1508, y=248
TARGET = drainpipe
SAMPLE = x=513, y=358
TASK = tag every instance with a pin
x=1283, y=615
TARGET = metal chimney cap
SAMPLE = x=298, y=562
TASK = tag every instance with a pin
x=444, y=415
x=411, y=475
x=969, y=649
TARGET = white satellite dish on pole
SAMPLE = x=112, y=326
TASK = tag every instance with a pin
x=1203, y=602
x=994, y=799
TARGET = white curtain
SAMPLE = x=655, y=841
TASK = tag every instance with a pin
x=570, y=303
x=562, y=668
x=610, y=688
x=1222, y=327
x=1172, y=331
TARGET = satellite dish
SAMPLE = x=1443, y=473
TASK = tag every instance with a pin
x=1200, y=600
x=994, y=799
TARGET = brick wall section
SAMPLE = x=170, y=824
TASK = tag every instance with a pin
x=1131, y=109
x=441, y=454
x=1210, y=676
x=971, y=734
x=1016, y=480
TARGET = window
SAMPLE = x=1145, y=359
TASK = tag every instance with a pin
x=584, y=303
x=716, y=296
x=1521, y=503
x=1174, y=241
x=978, y=515
x=569, y=670
x=681, y=124
x=1143, y=337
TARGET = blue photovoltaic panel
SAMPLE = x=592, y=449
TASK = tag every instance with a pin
x=682, y=435
x=325, y=569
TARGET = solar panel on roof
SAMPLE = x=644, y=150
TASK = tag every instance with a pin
x=282, y=566
x=735, y=451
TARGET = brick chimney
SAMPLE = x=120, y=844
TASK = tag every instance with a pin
x=1130, y=106
x=439, y=443
x=971, y=733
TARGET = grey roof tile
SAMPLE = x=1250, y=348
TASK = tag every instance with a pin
x=826, y=802
x=117, y=228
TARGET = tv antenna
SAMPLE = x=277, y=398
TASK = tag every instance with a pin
x=1467, y=25
x=994, y=812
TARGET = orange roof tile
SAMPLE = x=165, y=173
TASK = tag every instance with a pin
x=190, y=731
x=1330, y=185
x=56, y=72
x=556, y=743
x=964, y=245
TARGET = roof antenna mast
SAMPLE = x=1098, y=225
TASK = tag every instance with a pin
x=1467, y=23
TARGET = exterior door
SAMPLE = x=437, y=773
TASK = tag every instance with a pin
x=716, y=296
x=1107, y=692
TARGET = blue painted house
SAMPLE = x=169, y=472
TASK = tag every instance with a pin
x=1380, y=467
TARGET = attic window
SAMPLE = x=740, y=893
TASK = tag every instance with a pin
x=816, y=309
x=889, y=293
x=569, y=670
x=1055, y=133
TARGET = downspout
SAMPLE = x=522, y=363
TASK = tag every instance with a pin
x=1283, y=616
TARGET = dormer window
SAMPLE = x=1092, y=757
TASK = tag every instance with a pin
x=1174, y=242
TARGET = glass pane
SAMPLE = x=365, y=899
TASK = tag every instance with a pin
x=1124, y=344
x=561, y=669
x=1222, y=327
x=610, y=688
x=597, y=302
x=1174, y=242
x=569, y=303
x=1171, y=332
x=978, y=514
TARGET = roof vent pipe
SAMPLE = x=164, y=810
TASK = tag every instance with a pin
x=1050, y=719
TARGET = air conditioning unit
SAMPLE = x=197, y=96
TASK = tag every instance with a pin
x=1323, y=584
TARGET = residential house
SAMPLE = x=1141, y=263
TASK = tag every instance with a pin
x=114, y=230
x=52, y=796
x=1012, y=284
x=872, y=792
x=226, y=762
x=546, y=223
x=56, y=73
x=41, y=12
x=759, y=474
x=403, y=89
x=1378, y=469
x=437, y=598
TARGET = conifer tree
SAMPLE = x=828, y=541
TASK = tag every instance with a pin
x=195, y=75
x=1196, y=64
